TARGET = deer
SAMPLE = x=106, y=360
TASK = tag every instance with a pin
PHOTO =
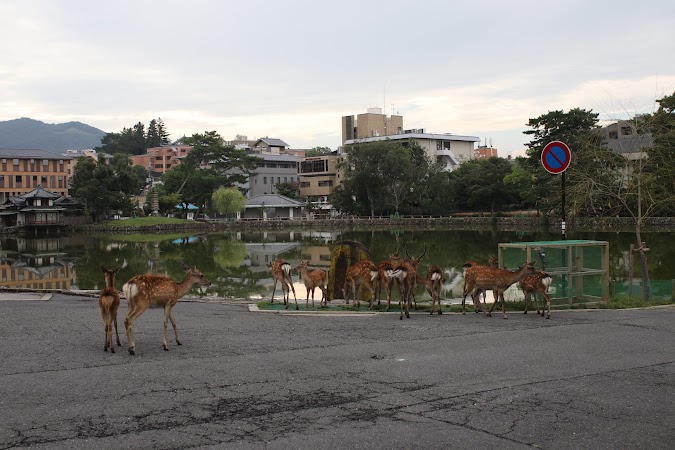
x=492, y=262
x=361, y=273
x=385, y=270
x=153, y=291
x=482, y=277
x=312, y=279
x=405, y=274
x=434, y=281
x=281, y=271
x=537, y=283
x=109, y=302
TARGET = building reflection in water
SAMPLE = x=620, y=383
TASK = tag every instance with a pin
x=35, y=263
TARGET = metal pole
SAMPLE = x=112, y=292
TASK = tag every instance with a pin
x=563, y=224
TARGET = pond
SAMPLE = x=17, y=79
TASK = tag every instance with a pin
x=235, y=262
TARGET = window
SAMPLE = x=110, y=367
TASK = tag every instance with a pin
x=45, y=162
x=304, y=184
x=285, y=179
x=17, y=179
x=264, y=180
x=43, y=180
x=328, y=183
x=614, y=135
x=16, y=161
x=313, y=166
x=626, y=131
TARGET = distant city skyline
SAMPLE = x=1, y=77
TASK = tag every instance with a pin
x=291, y=70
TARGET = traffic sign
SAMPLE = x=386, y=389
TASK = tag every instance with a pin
x=556, y=157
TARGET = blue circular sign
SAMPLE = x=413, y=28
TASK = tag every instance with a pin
x=556, y=157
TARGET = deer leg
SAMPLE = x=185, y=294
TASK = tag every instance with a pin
x=104, y=316
x=131, y=316
x=547, y=298
x=526, y=301
x=173, y=324
x=501, y=297
x=167, y=315
x=274, y=289
x=293, y=288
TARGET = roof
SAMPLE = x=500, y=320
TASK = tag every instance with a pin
x=268, y=157
x=272, y=142
x=38, y=192
x=273, y=201
x=25, y=153
x=421, y=136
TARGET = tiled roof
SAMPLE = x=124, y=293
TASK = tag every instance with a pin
x=38, y=192
x=273, y=201
x=273, y=142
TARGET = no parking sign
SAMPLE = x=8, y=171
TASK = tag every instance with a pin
x=556, y=157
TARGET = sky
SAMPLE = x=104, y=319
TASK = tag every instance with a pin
x=291, y=69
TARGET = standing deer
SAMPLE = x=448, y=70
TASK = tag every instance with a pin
x=362, y=273
x=493, y=261
x=281, y=271
x=405, y=274
x=109, y=302
x=537, y=284
x=482, y=277
x=151, y=291
x=385, y=277
x=313, y=279
x=434, y=281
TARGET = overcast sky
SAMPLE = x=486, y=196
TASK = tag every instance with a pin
x=292, y=69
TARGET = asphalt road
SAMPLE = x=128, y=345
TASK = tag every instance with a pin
x=241, y=379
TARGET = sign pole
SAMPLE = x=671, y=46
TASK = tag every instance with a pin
x=563, y=224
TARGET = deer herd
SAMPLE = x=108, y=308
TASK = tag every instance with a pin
x=152, y=291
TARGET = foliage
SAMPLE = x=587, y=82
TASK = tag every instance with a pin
x=104, y=187
x=478, y=185
x=135, y=140
x=209, y=165
x=228, y=201
x=289, y=189
x=229, y=253
x=157, y=136
x=318, y=151
x=384, y=177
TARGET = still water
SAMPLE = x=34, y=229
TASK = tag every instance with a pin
x=235, y=262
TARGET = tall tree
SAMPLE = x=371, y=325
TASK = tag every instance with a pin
x=478, y=185
x=209, y=165
x=152, y=136
x=162, y=133
x=228, y=201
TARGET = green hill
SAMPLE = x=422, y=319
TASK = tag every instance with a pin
x=57, y=138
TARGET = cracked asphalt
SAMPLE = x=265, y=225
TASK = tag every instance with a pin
x=241, y=379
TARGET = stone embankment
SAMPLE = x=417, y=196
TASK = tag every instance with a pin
x=348, y=223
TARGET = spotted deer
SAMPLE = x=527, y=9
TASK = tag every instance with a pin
x=537, y=283
x=312, y=278
x=385, y=277
x=363, y=273
x=109, y=302
x=281, y=272
x=405, y=274
x=152, y=291
x=434, y=282
x=493, y=261
x=483, y=277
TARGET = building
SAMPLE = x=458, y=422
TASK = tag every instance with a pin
x=484, y=151
x=270, y=145
x=273, y=206
x=159, y=160
x=271, y=170
x=24, y=170
x=319, y=176
x=370, y=124
x=449, y=150
x=622, y=138
x=38, y=208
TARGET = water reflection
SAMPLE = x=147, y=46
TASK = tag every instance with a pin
x=236, y=262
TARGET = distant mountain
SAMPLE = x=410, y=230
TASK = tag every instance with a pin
x=57, y=137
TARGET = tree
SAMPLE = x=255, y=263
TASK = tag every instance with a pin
x=209, y=165
x=228, y=201
x=288, y=189
x=570, y=127
x=152, y=136
x=318, y=151
x=379, y=177
x=478, y=185
x=639, y=184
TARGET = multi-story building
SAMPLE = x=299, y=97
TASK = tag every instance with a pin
x=484, y=152
x=319, y=176
x=271, y=170
x=449, y=150
x=24, y=170
x=622, y=137
x=159, y=160
x=370, y=124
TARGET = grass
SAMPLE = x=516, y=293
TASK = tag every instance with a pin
x=146, y=221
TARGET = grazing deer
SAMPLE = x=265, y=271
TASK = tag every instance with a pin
x=405, y=274
x=385, y=277
x=312, y=279
x=537, y=284
x=362, y=273
x=493, y=261
x=281, y=271
x=434, y=281
x=151, y=291
x=109, y=302
x=482, y=277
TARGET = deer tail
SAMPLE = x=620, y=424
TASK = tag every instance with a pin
x=130, y=290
